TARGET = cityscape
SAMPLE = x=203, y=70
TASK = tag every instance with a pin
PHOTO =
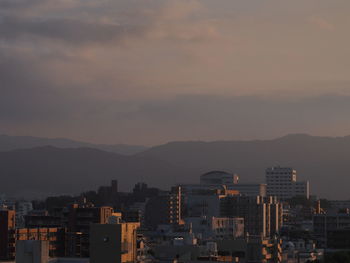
x=174, y=131
x=217, y=219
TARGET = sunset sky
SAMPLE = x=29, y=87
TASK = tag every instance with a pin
x=152, y=71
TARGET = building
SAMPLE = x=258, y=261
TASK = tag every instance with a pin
x=7, y=234
x=216, y=227
x=78, y=220
x=329, y=223
x=113, y=243
x=164, y=209
x=264, y=250
x=250, y=189
x=114, y=186
x=204, y=200
x=282, y=182
x=54, y=236
x=23, y=208
x=32, y=251
x=42, y=221
x=338, y=238
x=201, y=203
x=109, y=193
x=262, y=216
x=339, y=204
x=135, y=213
x=219, y=178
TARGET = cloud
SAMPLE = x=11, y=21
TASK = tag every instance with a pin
x=70, y=66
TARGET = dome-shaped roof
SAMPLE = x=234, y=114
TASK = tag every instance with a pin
x=219, y=178
x=217, y=172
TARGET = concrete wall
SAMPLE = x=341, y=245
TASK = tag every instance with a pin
x=32, y=251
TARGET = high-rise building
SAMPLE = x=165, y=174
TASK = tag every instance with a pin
x=7, y=234
x=164, y=209
x=262, y=216
x=282, y=182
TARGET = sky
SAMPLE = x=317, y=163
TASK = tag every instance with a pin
x=152, y=71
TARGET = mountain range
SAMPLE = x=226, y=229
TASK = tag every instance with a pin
x=8, y=143
x=48, y=170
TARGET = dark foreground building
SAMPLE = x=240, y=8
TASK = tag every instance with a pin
x=7, y=234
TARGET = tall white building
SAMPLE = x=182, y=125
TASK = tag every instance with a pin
x=282, y=182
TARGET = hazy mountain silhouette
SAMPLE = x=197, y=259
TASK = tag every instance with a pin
x=324, y=161
x=50, y=171
x=8, y=143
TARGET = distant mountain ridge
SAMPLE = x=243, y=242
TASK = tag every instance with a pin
x=45, y=171
x=324, y=161
x=8, y=143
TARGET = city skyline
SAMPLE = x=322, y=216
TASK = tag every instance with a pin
x=174, y=131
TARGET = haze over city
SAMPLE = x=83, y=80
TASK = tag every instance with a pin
x=174, y=131
x=150, y=72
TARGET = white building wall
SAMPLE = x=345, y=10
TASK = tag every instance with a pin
x=282, y=182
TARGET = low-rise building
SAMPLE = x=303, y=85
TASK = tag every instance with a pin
x=327, y=223
x=216, y=227
x=54, y=236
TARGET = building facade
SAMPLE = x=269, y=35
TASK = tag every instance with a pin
x=113, y=243
x=164, y=209
x=219, y=178
x=216, y=227
x=55, y=238
x=249, y=189
x=7, y=234
x=262, y=216
x=282, y=182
